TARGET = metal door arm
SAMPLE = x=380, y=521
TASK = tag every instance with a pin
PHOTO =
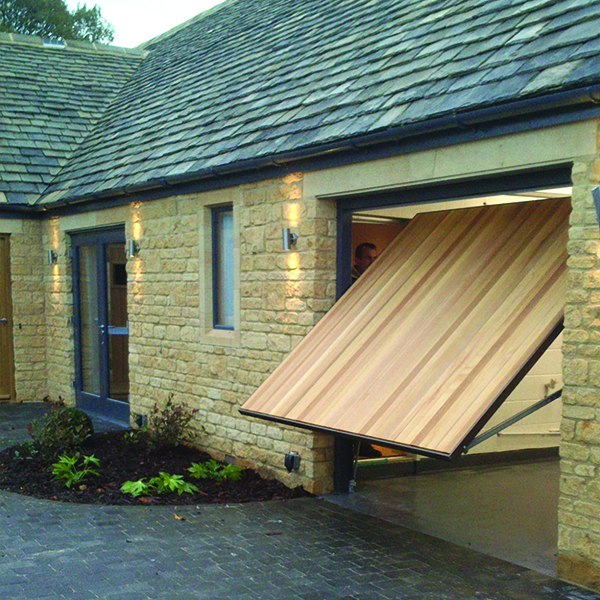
x=512, y=420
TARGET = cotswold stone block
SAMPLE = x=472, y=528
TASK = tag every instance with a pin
x=255, y=340
x=577, y=452
x=575, y=520
x=572, y=486
x=273, y=295
x=254, y=240
x=591, y=316
x=595, y=455
x=573, y=317
x=585, y=471
x=591, y=280
x=575, y=371
x=594, y=372
x=295, y=304
x=579, y=413
x=583, y=233
x=279, y=342
x=595, y=171
x=588, y=433
x=586, y=508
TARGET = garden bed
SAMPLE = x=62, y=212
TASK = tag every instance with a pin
x=121, y=460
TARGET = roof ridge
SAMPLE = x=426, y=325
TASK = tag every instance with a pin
x=72, y=45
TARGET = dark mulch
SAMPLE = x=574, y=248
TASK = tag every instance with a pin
x=120, y=462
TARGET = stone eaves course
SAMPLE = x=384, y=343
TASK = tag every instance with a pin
x=50, y=99
x=253, y=80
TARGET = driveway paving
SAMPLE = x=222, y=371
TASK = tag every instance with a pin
x=304, y=549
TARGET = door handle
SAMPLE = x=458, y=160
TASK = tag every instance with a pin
x=4, y=320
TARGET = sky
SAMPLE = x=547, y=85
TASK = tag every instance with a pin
x=137, y=21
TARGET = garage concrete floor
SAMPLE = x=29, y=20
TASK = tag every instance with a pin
x=509, y=512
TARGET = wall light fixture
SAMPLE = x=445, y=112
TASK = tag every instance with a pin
x=289, y=238
x=596, y=198
x=133, y=249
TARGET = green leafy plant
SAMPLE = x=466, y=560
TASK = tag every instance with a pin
x=136, y=436
x=211, y=469
x=231, y=473
x=72, y=470
x=172, y=483
x=25, y=451
x=63, y=429
x=162, y=484
x=168, y=424
x=136, y=488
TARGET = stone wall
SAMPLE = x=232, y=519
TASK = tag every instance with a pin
x=57, y=282
x=579, y=509
x=29, y=333
x=279, y=297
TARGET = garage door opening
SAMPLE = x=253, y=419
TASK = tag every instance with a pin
x=502, y=497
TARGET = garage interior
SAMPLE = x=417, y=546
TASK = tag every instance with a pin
x=502, y=497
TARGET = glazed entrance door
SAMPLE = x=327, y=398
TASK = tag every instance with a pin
x=101, y=325
x=7, y=391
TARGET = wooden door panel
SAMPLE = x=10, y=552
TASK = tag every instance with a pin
x=7, y=391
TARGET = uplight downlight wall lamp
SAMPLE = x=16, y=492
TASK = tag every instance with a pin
x=596, y=198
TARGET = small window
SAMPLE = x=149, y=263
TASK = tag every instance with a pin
x=222, y=260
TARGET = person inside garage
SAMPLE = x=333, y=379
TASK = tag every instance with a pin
x=364, y=256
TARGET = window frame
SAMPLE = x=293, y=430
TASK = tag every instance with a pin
x=216, y=234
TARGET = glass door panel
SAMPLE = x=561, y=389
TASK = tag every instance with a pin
x=118, y=330
x=89, y=320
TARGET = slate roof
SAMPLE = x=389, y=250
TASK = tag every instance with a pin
x=252, y=80
x=50, y=98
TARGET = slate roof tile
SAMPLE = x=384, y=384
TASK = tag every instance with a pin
x=50, y=99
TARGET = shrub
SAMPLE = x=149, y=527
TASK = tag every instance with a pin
x=63, y=429
x=167, y=425
x=171, y=483
x=136, y=437
x=136, y=488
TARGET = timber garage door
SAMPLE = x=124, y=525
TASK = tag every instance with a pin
x=423, y=349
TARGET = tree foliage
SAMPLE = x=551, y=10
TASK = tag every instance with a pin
x=52, y=19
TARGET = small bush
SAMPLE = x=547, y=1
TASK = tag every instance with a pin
x=168, y=424
x=63, y=429
x=136, y=437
